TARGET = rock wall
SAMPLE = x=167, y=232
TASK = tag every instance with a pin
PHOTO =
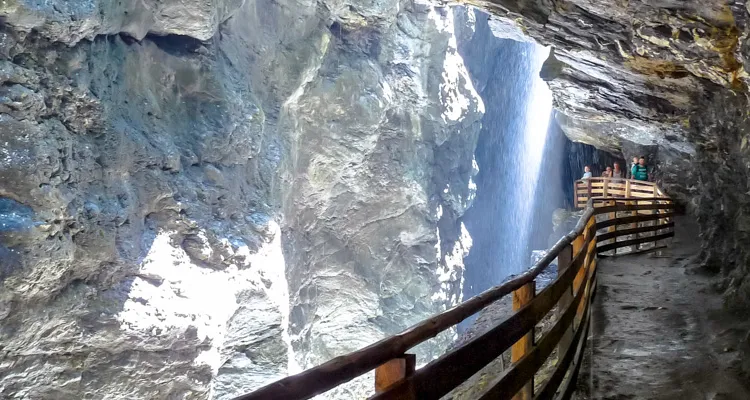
x=667, y=79
x=722, y=200
x=381, y=147
x=198, y=197
x=173, y=174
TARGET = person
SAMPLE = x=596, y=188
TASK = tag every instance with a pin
x=617, y=172
x=607, y=172
x=635, y=162
x=586, y=172
x=640, y=171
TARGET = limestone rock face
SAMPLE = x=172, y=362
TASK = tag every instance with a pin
x=367, y=209
x=199, y=197
x=71, y=21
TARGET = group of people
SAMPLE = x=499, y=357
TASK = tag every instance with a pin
x=638, y=171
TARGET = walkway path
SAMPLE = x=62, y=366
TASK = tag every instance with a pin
x=659, y=331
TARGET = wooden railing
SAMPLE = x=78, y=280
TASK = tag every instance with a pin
x=585, y=189
x=569, y=295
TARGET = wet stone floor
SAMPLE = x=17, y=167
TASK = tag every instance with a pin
x=659, y=330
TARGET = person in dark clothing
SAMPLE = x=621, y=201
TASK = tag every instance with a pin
x=640, y=170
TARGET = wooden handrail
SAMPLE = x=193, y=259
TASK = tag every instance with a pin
x=577, y=275
x=585, y=189
x=345, y=368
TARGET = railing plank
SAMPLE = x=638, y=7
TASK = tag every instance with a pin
x=622, y=199
x=640, y=207
x=564, y=261
x=394, y=371
x=632, y=219
x=627, y=188
x=632, y=242
x=613, y=228
x=624, y=232
x=521, y=297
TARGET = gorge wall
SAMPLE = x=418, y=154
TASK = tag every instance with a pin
x=199, y=197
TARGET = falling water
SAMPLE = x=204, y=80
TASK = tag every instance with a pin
x=509, y=154
x=530, y=135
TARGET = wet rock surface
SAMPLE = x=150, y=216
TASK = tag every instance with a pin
x=173, y=173
x=174, y=178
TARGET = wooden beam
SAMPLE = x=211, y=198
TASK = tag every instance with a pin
x=624, y=232
x=394, y=371
x=521, y=297
x=579, y=283
x=644, y=251
x=636, y=241
x=640, y=207
x=627, y=188
x=564, y=261
x=632, y=219
x=624, y=199
x=612, y=215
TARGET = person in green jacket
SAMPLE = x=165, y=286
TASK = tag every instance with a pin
x=640, y=170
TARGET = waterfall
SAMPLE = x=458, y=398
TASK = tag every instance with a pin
x=510, y=154
x=527, y=146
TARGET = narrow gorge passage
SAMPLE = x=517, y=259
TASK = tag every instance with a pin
x=659, y=330
x=201, y=197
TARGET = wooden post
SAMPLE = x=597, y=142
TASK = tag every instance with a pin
x=580, y=279
x=588, y=185
x=627, y=188
x=611, y=216
x=605, y=187
x=521, y=297
x=637, y=224
x=563, y=263
x=658, y=221
x=575, y=194
x=394, y=371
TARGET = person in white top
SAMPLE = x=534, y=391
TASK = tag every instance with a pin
x=617, y=172
x=586, y=172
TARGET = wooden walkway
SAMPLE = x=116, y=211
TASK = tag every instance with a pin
x=619, y=215
x=659, y=331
